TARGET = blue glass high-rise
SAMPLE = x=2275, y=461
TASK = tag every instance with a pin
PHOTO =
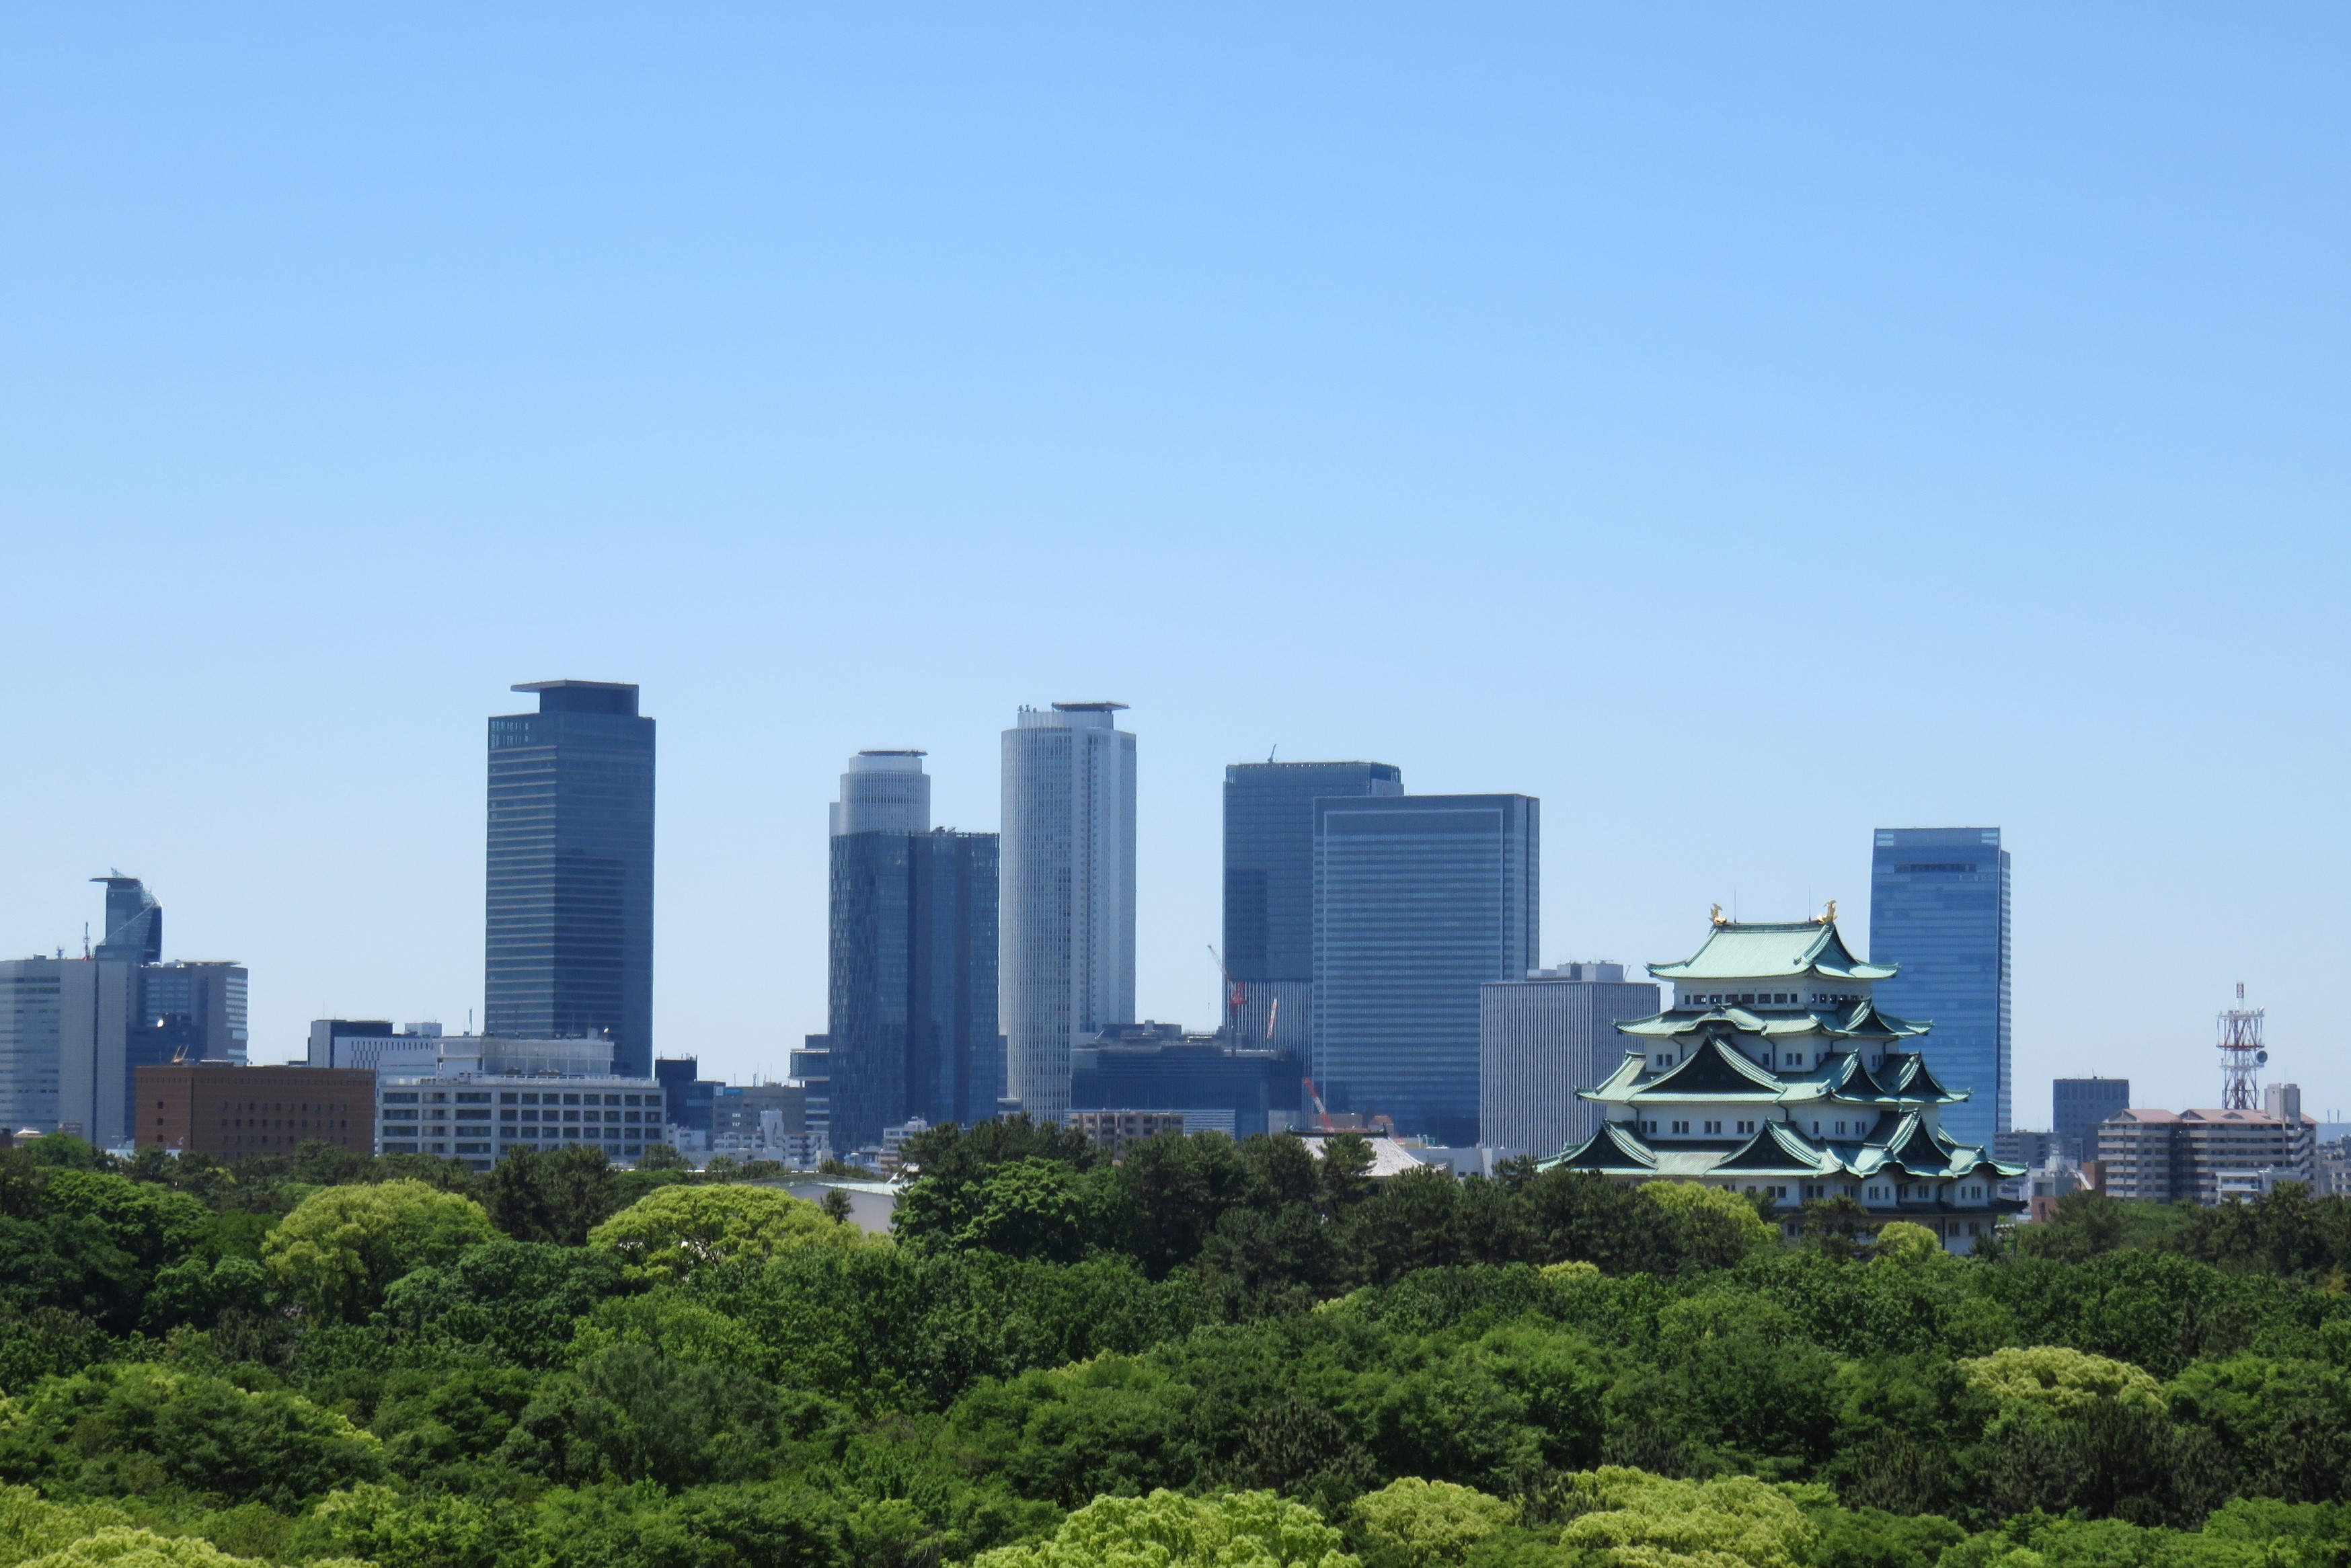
x=911, y=1024
x=570, y=941
x=1269, y=952
x=910, y=1021
x=1418, y=901
x=1939, y=911
x=1269, y=859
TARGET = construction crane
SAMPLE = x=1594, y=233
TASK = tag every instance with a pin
x=1236, y=994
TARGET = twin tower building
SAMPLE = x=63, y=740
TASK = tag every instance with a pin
x=1359, y=923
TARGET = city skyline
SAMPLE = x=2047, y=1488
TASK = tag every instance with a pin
x=2030, y=1082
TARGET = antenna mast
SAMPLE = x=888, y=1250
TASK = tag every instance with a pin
x=2242, y=1054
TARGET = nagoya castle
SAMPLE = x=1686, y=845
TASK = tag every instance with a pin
x=1773, y=1072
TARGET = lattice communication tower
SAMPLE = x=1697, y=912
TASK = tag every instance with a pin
x=2242, y=1055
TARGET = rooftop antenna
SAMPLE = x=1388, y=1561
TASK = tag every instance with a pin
x=2242, y=1054
x=1270, y=755
x=85, y=938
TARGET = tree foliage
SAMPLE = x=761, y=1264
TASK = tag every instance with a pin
x=1252, y=1353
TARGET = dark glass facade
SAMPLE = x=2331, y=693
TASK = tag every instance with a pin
x=1418, y=901
x=2076, y=1106
x=1939, y=911
x=1269, y=859
x=912, y=1026
x=1186, y=1075
x=687, y=1097
x=571, y=905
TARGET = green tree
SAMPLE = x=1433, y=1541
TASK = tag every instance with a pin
x=1414, y=1523
x=153, y=1225
x=1906, y=1243
x=951, y=1162
x=1710, y=1226
x=662, y=1157
x=630, y=1411
x=517, y=1301
x=1177, y=1188
x=1238, y=1530
x=1834, y=1227
x=140, y=1426
x=1343, y=1172
x=679, y=1229
x=1038, y=1207
x=339, y=1250
x=1629, y=1519
x=552, y=1195
x=2057, y=1378
x=123, y=1547
x=2081, y=1225
x=31, y=1525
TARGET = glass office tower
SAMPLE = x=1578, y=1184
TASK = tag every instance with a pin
x=911, y=1025
x=1418, y=901
x=571, y=904
x=1268, y=950
x=1939, y=911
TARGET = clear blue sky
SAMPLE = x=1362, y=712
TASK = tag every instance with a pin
x=1741, y=426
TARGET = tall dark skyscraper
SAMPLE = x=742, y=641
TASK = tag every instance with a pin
x=1418, y=901
x=571, y=906
x=911, y=1020
x=1270, y=891
x=1939, y=911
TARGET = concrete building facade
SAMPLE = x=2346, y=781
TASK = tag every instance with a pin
x=1541, y=1038
x=2174, y=1156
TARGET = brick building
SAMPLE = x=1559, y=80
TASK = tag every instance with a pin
x=235, y=1112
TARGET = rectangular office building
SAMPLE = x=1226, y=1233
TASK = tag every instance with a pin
x=2076, y=1106
x=569, y=942
x=1158, y=1067
x=912, y=1004
x=67, y=1029
x=1541, y=1038
x=1419, y=900
x=1269, y=952
x=481, y=1117
x=1939, y=912
x=235, y=1112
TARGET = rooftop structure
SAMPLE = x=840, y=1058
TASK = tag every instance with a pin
x=1774, y=1072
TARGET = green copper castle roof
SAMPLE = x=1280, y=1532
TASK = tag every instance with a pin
x=1856, y=1020
x=1898, y=1145
x=1715, y=1067
x=1756, y=952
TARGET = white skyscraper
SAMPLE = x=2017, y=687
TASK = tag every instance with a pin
x=1068, y=894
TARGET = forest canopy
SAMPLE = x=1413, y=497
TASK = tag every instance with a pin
x=1210, y=1352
